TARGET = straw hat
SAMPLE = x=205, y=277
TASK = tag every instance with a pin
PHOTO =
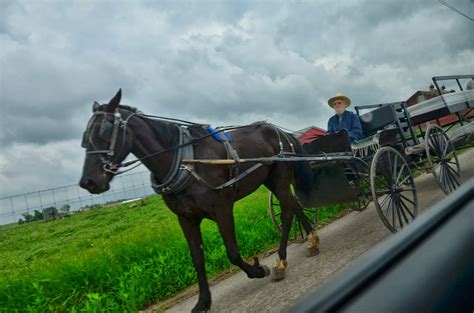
x=339, y=96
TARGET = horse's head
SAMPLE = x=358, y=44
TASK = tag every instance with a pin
x=107, y=143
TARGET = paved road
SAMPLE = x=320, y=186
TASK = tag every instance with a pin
x=341, y=243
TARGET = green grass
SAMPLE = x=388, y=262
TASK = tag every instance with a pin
x=119, y=259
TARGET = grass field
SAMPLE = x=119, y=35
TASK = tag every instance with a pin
x=119, y=259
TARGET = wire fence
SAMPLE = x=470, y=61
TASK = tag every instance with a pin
x=73, y=198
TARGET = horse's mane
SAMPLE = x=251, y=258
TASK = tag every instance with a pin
x=160, y=129
x=129, y=108
x=164, y=130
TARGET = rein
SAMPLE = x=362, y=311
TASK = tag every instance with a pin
x=182, y=167
x=112, y=167
x=179, y=146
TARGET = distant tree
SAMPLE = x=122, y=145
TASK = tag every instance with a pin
x=21, y=221
x=65, y=208
x=38, y=216
x=50, y=213
x=28, y=218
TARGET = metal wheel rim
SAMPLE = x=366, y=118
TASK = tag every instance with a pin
x=393, y=189
x=443, y=159
x=297, y=231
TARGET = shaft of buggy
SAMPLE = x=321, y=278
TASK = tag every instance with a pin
x=269, y=160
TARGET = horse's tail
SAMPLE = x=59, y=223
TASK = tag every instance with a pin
x=302, y=176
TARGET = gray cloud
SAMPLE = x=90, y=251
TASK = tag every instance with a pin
x=230, y=62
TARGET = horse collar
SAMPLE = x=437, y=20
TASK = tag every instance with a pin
x=178, y=176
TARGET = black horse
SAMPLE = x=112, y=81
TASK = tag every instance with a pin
x=197, y=191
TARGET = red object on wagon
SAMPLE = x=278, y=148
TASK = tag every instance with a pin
x=309, y=134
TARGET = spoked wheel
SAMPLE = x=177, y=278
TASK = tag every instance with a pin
x=393, y=189
x=297, y=231
x=358, y=176
x=443, y=159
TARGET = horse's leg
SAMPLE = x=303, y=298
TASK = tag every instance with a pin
x=288, y=206
x=281, y=187
x=313, y=238
x=286, y=217
x=225, y=223
x=192, y=232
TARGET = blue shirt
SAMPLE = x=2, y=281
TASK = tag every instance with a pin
x=348, y=121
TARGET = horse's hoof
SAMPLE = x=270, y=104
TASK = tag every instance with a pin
x=278, y=273
x=200, y=307
x=312, y=251
x=201, y=310
x=266, y=269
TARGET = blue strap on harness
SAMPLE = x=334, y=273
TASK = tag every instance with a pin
x=218, y=135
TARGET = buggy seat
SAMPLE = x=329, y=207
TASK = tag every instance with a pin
x=385, y=124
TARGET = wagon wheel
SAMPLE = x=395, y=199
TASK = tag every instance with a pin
x=297, y=231
x=359, y=179
x=393, y=189
x=443, y=159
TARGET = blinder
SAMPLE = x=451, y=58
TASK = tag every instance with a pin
x=85, y=139
x=105, y=132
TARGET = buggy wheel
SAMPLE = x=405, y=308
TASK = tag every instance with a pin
x=443, y=159
x=358, y=175
x=297, y=231
x=393, y=189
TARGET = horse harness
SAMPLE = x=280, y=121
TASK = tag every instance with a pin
x=179, y=174
x=178, y=177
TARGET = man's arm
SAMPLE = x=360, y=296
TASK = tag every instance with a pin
x=356, y=132
x=330, y=125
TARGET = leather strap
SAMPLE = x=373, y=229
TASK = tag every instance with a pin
x=231, y=182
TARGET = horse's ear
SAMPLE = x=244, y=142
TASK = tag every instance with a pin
x=115, y=101
x=95, y=106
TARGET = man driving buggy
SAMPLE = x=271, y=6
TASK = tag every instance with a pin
x=343, y=119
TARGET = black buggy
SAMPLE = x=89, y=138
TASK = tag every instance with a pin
x=396, y=142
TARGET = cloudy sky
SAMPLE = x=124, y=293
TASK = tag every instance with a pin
x=219, y=62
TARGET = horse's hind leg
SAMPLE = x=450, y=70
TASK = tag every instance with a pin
x=192, y=232
x=290, y=206
x=280, y=187
x=284, y=192
x=313, y=239
x=286, y=218
x=226, y=225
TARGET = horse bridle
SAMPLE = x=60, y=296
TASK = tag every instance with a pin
x=108, y=131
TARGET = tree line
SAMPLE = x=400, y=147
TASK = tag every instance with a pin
x=46, y=214
x=53, y=213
